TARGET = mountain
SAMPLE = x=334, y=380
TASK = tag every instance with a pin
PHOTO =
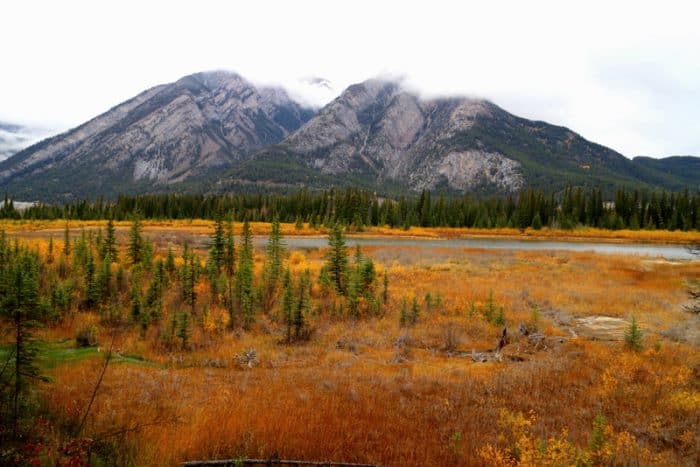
x=376, y=134
x=676, y=172
x=14, y=138
x=173, y=134
x=217, y=132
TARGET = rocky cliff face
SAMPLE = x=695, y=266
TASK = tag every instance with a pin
x=168, y=134
x=376, y=129
x=377, y=133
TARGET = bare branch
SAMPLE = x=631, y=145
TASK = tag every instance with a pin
x=108, y=357
x=135, y=428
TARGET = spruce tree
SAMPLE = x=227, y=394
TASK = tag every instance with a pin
x=66, y=240
x=184, y=330
x=147, y=252
x=109, y=245
x=244, y=281
x=104, y=280
x=120, y=278
x=337, y=258
x=324, y=280
x=490, y=308
x=353, y=291
x=80, y=251
x=273, y=264
x=170, y=261
x=218, y=245
x=598, y=439
x=19, y=296
x=99, y=241
x=144, y=322
x=303, y=305
x=135, y=241
x=415, y=311
x=288, y=303
x=424, y=209
x=537, y=222
x=154, y=293
x=136, y=299
x=368, y=276
x=230, y=267
x=633, y=336
x=189, y=282
x=230, y=250
x=92, y=287
x=172, y=334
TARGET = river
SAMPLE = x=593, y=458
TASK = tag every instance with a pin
x=667, y=251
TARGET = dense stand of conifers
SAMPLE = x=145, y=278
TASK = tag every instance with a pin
x=531, y=208
x=167, y=296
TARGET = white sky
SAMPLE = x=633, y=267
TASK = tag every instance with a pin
x=625, y=74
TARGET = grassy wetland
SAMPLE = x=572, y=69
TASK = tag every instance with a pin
x=168, y=341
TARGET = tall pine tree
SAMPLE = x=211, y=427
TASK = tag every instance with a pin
x=337, y=258
x=135, y=241
x=244, y=282
x=109, y=245
x=273, y=265
x=19, y=294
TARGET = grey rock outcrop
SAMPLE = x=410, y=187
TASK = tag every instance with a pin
x=377, y=129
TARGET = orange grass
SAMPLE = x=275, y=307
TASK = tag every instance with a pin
x=205, y=227
x=345, y=395
x=357, y=410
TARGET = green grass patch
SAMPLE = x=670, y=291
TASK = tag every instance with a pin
x=54, y=353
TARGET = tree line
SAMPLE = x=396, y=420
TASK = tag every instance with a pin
x=628, y=209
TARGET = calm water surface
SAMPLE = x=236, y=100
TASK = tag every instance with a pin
x=674, y=252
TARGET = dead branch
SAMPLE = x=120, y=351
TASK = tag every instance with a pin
x=108, y=357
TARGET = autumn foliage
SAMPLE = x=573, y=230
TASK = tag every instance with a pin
x=201, y=373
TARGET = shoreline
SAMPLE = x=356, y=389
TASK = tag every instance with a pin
x=205, y=227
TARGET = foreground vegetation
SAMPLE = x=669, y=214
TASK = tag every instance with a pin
x=141, y=346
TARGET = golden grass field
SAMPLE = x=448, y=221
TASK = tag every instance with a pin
x=201, y=226
x=373, y=391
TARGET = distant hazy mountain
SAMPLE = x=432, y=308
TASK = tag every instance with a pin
x=218, y=132
x=14, y=138
x=179, y=132
x=376, y=134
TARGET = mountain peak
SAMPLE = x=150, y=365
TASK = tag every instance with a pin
x=376, y=134
x=379, y=129
x=171, y=133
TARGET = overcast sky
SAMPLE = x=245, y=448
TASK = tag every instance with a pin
x=625, y=74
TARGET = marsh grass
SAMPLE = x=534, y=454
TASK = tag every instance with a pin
x=344, y=394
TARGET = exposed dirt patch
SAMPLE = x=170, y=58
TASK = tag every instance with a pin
x=603, y=328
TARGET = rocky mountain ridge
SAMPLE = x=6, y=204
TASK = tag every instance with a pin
x=377, y=134
x=216, y=131
x=166, y=135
